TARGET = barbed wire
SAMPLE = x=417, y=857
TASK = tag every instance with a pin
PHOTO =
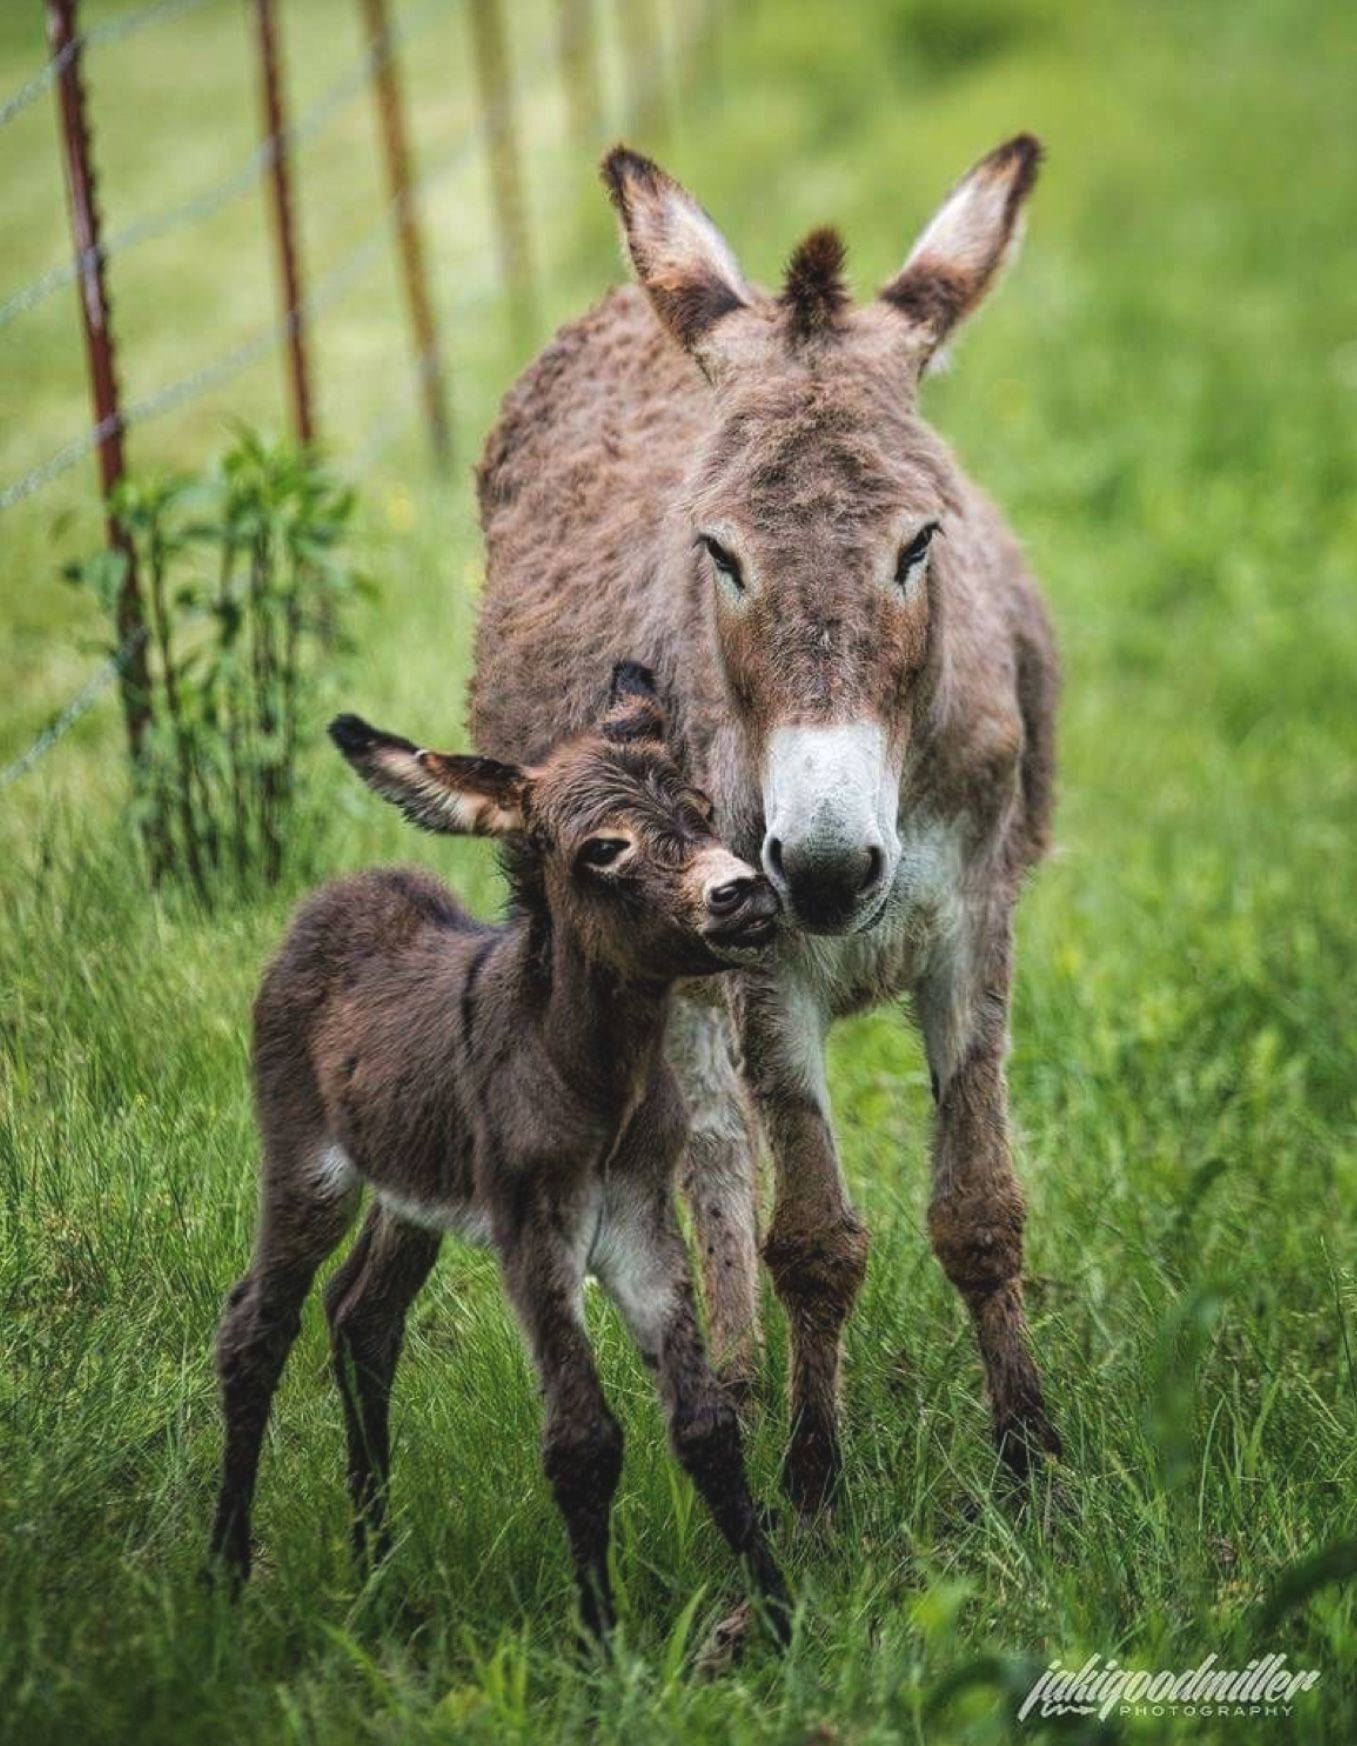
x=241, y=180
x=112, y=30
x=83, y=701
x=331, y=285
x=327, y=289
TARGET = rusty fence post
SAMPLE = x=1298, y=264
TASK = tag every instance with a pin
x=77, y=158
x=506, y=183
x=578, y=32
x=396, y=145
x=289, y=265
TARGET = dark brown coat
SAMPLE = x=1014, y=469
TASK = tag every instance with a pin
x=859, y=670
x=509, y=1084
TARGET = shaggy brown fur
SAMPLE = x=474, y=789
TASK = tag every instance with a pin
x=813, y=291
x=505, y=1082
x=754, y=513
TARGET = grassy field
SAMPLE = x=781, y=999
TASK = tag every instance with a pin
x=1164, y=397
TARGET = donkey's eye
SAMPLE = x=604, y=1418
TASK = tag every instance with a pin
x=726, y=563
x=913, y=556
x=602, y=851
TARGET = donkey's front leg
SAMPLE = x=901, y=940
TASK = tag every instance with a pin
x=581, y=1440
x=642, y=1261
x=816, y=1248
x=719, y=1178
x=976, y=1215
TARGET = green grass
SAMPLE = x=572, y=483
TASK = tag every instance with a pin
x=1164, y=397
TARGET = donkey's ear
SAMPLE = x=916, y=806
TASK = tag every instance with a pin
x=634, y=709
x=438, y=791
x=970, y=237
x=681, y=258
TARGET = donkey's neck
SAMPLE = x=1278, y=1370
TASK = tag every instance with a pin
x=601, y=1031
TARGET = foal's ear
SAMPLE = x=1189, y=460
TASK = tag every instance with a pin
x=438, y=791
x=685, y=264
x=634, y=709
x=961, y=251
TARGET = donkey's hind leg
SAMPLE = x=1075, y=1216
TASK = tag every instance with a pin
x=366, y=1303
x=719, y=1178
x=303, y=1216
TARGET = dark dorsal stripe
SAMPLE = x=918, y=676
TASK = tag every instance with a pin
x=473, y=971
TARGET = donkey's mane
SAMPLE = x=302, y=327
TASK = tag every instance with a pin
x=814, y=293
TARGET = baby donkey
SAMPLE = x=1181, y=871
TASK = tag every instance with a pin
x=507, y=1083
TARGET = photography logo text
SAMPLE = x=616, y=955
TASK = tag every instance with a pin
x=1266, y=1687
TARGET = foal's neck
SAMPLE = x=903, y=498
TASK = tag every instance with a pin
x=601, y=1030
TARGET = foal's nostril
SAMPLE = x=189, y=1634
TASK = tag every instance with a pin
x=726, y=899
x=773, y=854
x=876, y=861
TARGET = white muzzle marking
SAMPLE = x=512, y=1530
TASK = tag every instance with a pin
x=831, y=794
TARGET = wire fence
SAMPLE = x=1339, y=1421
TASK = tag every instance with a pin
x=83, y=701
x=240, y=181
x=578, y=47
x=327, y=290
x=112, y=30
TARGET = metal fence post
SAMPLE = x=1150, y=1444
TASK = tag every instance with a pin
x=501, y=139
x=289, y=266
x=77, y=157
x=395, y=140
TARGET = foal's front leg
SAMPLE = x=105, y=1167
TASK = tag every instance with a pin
x=581, y=1440
x=641, y=1259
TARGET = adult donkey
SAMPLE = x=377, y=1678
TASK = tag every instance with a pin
x=737, y=489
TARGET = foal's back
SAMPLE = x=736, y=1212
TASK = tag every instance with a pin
x=355, y=1033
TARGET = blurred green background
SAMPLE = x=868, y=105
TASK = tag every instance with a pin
x=1163, y=396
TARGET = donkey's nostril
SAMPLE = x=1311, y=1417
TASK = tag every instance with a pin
x=772, y=850
x=876, y=860
x=726, y=899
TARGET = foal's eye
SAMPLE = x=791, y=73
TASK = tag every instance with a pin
x=914, y=556
x=727, y=565
x=602, y=851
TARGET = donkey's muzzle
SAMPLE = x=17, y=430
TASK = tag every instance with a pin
x=742, y=912
x=831, y=793
x=828, y=890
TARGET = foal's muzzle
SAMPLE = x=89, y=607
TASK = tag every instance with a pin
x=742, y=913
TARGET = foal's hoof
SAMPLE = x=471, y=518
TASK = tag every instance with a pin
x=812, y=1469
x=1025, y=1444
x=225, y=1576
x=725, y=1643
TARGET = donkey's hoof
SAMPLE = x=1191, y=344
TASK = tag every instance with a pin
x=812, y=1469
x=225, y=1576
x=1026, y=1443
x=725, y=1643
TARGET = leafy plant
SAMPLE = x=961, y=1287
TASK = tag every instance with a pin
x=245, y=578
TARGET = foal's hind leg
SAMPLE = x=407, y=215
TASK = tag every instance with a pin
x=302, y=1218
x=542, y=1259
x=366, y=1302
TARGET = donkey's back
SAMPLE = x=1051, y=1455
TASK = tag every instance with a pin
x=350, y=1027
x=576, y=480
